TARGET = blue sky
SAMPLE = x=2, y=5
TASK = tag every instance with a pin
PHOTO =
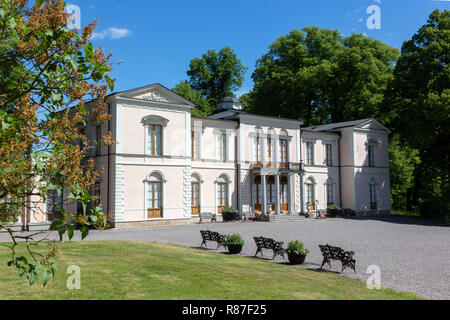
x=157, y=39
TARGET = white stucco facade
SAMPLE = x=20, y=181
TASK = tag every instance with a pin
x=167, y=166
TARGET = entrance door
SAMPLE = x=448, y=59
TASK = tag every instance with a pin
x=257, y=195
x=154, y=200
x=195, y=200
x=284, y=194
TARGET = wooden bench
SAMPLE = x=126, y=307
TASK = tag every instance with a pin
x=267, y=243
x=207, y=215
x=335, y=253
x=212, y=236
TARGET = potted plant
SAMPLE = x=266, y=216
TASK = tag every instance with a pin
x=229, y=214
x=296, y=252
x=234, y=243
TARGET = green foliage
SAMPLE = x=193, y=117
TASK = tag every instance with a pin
x=333, y=207
x=296, y=248
x=417, y=108
x=229, y=210
x=317, y=74
x=402, y=163
x=234, y=240
x=202, y=107
x=216, y=74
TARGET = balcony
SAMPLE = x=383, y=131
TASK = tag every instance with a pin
x=288, y=166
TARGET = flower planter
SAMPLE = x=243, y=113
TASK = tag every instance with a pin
x=296, y=258
x=235, y=249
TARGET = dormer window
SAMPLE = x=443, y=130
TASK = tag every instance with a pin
x=155, y=126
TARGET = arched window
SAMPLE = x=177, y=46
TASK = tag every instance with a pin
x=154, y=195
x=155, y=126
x=329, y=188
x=373, y=194
x=310, y=194
x=195, y=194
x=222, y=192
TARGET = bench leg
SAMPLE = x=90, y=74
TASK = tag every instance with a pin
x=258, y=250
x=327, y=261
x=203, y=243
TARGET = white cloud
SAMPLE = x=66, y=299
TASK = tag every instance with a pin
x=111, y=33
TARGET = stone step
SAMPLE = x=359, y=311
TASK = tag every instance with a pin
x=278, y=218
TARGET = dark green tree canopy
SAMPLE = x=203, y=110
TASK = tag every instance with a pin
x=216, y=74
x=316, y=74
x=417, y=107
x=202, y=106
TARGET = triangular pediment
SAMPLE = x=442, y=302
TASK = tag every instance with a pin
x=156, y=93
x=372, y=124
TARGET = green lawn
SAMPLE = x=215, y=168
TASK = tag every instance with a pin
x=131, y=270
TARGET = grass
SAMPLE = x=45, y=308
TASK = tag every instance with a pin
x=134, y=270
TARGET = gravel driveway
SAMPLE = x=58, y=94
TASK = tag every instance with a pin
x=413, y=254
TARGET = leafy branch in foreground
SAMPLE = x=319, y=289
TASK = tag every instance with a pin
x=47, y=73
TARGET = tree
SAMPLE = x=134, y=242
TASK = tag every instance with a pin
x=202, y=106
x=318, y=75
x=216, y=74
x=402, y=163
x=46, y=74
x=418, y=106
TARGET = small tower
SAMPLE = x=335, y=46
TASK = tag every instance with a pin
x=229, y=103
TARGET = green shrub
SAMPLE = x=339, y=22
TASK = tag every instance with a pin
x=234, y=240
x=333, y=207
x=229, y=210
x=295, y=247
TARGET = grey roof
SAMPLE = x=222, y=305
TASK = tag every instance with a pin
x=338, y=125
x=229, y=99
x=233, y=114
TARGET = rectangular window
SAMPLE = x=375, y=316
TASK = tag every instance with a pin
x=154, y=140
x=371, y=155
x=329, y=155
x=283, y=153
x=257, y=151
x=309, y=153
x=269, y=152
x=195, y=145
x=330, y=198
x=222, y=147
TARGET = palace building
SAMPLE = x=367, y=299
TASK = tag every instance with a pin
x=168, y=166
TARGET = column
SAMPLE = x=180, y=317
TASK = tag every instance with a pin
x=264, y=194
x=290, y=198
x=277, y=190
